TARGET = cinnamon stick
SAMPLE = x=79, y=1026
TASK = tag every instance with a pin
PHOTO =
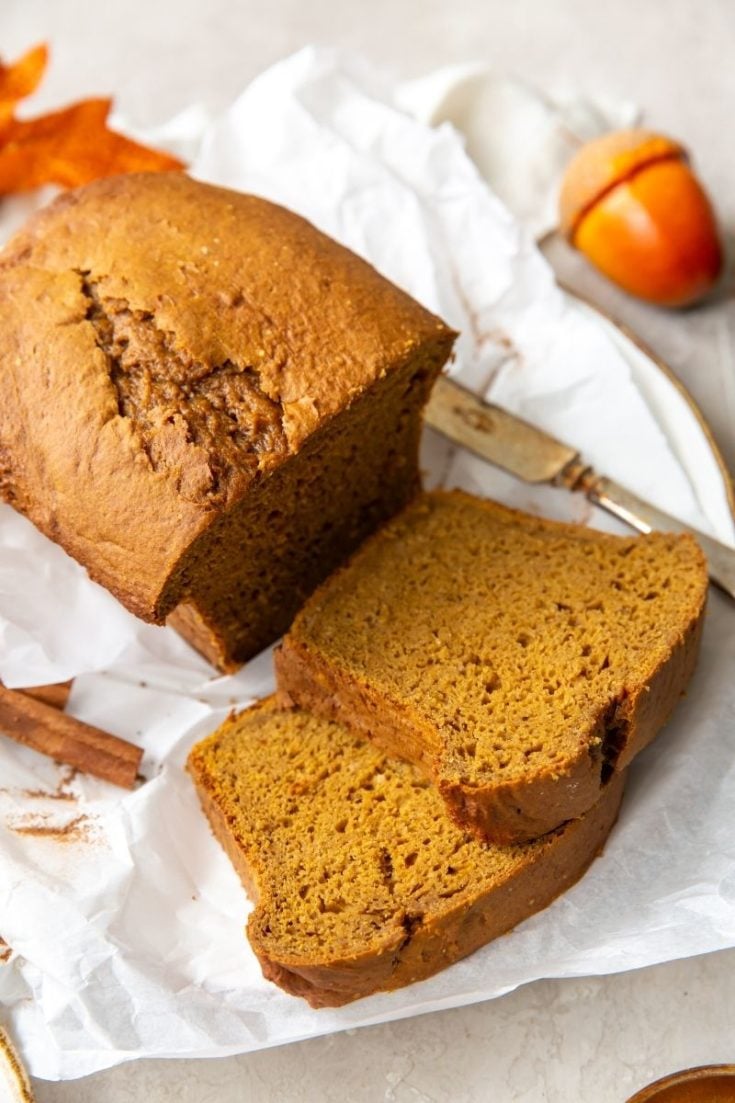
x=55, y=695
x=52, y=732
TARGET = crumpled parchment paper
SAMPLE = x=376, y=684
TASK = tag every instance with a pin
x=122, y=917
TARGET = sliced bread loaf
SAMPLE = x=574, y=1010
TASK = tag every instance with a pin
x=362, y=882
x=522, y=661
x=186, y=375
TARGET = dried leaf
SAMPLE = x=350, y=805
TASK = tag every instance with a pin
x=68, y=147
x=20, y=79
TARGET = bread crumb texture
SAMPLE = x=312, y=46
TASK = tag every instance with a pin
x=522, y=660
x=362, y=881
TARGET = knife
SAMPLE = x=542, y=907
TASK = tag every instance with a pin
x=536, y=457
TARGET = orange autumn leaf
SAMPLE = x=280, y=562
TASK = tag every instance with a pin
x=68, y=147
x=71, y=147
x=20, y=79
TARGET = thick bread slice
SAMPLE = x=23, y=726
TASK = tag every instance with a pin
x=362, y=882
x=521, y=661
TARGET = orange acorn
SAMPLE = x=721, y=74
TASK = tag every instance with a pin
x=631, y=203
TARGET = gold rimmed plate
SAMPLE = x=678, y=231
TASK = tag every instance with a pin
x=672, y=408
x=680, y=419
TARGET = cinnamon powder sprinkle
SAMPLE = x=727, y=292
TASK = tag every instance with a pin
x=62, y=792
x=46, y=794
x=76, y=830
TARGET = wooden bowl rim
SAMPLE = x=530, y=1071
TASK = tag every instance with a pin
x=684, y=1076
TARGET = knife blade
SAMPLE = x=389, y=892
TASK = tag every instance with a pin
x=534, y=456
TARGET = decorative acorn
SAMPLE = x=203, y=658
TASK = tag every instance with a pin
x=632, y=204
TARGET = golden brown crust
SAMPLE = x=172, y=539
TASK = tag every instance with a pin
x=164, y=345
x=413, y=941
x=612, y=728
x=69, y=461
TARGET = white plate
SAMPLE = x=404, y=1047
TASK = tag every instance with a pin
x=676, y=413
x=683, y=423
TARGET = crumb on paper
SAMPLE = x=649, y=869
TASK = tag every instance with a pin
x=5, y=951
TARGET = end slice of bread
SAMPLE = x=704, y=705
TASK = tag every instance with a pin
x=362, y=882
x=522, y=662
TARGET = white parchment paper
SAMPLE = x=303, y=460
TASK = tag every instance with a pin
x=122, y=917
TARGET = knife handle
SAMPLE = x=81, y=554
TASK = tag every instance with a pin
x=644, y=517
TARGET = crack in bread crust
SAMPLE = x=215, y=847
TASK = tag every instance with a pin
x=166, y=349
x=166, y=393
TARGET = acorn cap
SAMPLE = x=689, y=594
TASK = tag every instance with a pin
x=605, y=162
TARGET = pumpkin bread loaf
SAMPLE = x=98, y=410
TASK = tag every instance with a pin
x=362, y=882
x=523, y=662
x=204, y=400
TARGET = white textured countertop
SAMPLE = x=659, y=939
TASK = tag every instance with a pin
x=592, y=1040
